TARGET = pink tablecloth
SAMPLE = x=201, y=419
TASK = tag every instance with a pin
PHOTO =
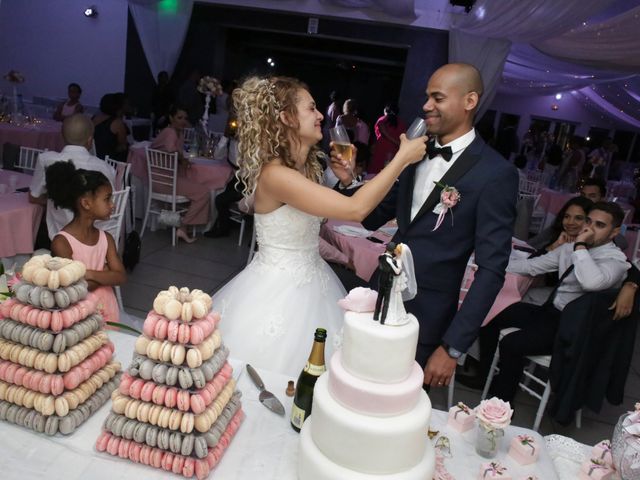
x=19, y=219
x=212, y=173
x=46, y=135
x=364, y=255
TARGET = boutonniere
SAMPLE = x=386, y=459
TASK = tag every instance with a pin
x=449, y=198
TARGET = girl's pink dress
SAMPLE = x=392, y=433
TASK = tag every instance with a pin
x=94, y=258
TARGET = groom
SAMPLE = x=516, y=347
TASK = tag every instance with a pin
x=481, y=222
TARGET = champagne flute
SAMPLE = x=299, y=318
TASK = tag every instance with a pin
x=342, y=144
x=417, y=128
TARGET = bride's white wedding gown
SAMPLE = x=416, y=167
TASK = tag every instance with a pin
x=271, y=309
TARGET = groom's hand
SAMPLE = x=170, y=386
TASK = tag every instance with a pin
x=340, y=167
x=440, y=368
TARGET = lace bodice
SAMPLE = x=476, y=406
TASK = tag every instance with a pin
x=288, y=240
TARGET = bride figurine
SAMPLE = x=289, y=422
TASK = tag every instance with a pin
x=287, y=291
x=403, y=284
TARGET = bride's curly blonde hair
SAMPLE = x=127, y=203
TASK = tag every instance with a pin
x=261, y=134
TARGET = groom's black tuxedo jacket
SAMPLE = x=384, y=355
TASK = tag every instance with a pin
x=482, y=222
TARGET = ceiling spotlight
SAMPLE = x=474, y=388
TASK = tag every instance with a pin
x=558, y=96
x=588, y=139
x=91, y=12
x=269, y=60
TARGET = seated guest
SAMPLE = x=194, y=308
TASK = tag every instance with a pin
x=592, y=263
x=568, y=224
x=358, y=130
x=71, y=106
x=77, y=131
x=594, y=189
x=110, y=130
x=171, y=140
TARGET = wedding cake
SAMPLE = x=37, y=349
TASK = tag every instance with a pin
x=177, y=407
x=370, y=415
x=56, y=361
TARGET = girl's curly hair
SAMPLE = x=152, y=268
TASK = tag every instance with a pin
x=261, y=134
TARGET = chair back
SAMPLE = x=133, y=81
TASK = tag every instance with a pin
x=189, y=135
x=115, y=222
x=123, y=172
x=467, y=279
x=528, y=187
x=28, y=158
x=162, y=168
x=534, y=175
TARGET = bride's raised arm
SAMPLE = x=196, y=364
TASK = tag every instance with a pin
x=289, y=186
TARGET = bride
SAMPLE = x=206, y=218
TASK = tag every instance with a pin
x=271, y=309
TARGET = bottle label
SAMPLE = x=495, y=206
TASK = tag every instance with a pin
x=315, y=370
x=297, y=415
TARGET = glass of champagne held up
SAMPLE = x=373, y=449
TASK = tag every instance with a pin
x=342, y=144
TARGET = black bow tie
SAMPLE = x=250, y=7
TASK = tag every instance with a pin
x=444, y=152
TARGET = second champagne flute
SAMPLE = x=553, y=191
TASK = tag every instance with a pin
x=342, y=144
x=417, y=128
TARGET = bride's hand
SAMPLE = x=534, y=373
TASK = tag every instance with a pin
x=412, y=151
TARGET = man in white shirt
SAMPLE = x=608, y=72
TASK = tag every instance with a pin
x=441, y=246
x=593, y=263
x=77, y=131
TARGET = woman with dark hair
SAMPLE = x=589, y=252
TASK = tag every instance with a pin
x=388, y=129
x=171, y=140
x=110, y=132
x=71, y=106
x=567, y=225
x=88, y=194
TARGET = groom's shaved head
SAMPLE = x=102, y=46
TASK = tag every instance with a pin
x=465, y=76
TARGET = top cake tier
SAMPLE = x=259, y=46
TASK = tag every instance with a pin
x=182, y=304
x=378, y=353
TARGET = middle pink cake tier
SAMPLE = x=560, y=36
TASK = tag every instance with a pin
x=371, y=398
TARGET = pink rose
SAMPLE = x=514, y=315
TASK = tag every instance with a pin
x=359, y=300
x=450, y=197
x=494, y=413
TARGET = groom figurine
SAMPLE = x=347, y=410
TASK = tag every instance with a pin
x=484, y=217
x=386, y=271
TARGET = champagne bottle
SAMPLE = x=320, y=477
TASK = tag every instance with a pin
x=303, y=397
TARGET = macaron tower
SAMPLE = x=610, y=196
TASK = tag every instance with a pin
x=56, y=362
x=177, y=407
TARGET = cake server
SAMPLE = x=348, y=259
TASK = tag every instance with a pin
x=267, y=398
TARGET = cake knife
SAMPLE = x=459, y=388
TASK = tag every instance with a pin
x=267, y=398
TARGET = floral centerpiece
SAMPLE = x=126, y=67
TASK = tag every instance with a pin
x=7, y=280
x=208, y=86
x=494, y=415
x=14, y=77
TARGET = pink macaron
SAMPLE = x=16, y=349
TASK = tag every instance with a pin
x=146, y=394
x=123, y=448
x=173, y=329
x=158, y=395
x=178, y=464
x=56, y=322
x=102, y=441
x=134, y=451
x=156, y=458
x=189, y=467
x=167, y=461
x=197, y=404
x=197, y=334
x=112, y=445
x=183, y=400
x=145, y=454
x=149, y=325
x=125, y=383
x=135, y=389
x=171, y=397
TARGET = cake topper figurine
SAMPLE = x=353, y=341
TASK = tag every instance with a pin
x=396, y=283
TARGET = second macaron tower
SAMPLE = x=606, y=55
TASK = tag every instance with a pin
x=177, y=407
x=56, y=365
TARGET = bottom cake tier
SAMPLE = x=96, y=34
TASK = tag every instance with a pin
x=314, y=465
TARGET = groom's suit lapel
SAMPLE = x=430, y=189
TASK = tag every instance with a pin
x=462, y=165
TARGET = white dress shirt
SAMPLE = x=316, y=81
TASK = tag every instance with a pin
x=595, y=269
x=432, y=170
x=57, y=218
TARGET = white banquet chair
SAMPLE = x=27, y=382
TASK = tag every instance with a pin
x=162, y=170
x=114, y=227
x=543, y=361
x=28, y=158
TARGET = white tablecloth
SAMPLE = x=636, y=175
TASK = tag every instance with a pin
x=265, y=447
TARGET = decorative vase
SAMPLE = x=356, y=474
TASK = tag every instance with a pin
x=625, y=450
x=204, y=122
x=488, y=440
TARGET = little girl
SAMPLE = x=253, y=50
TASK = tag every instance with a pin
x=88, y=194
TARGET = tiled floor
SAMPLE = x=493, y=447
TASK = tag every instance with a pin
x=209, y=263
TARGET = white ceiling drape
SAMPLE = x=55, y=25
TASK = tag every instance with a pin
x=161, y=32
